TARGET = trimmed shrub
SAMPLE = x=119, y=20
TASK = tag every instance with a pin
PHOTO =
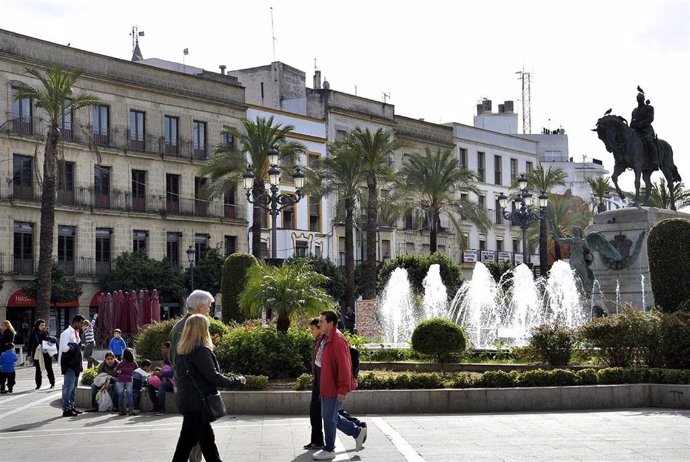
x=552, y=344
x=335, y=286
x=88, y=375
x=388, y=355
x=587, y=377
x=439, y=338
x=255, y=382
x=496, y=379
x=232, y=284
x=150, y=337
x=668, y=251
x=417, y=267
x=265, y=351
x=675, y=340
x=613, y=375
x=304, y=382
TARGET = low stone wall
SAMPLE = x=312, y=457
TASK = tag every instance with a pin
x=537, y=399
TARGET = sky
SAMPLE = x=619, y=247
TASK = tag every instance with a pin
x=435, y=59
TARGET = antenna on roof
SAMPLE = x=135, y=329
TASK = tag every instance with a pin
x=136, y=52
x=386, y=97
x=273, y=36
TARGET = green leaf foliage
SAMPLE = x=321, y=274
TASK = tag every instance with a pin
x=335, y=286
x=207, y=272
x=151, y=337
x=136, y=271
x=553, y=344
x=417, y=268
x=266, y=351
x=63, y=288
x=668, y=251
x=439, y=338
x=234, y=280
x=675, y=340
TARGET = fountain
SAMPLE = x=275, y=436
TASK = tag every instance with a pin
x=487, y=310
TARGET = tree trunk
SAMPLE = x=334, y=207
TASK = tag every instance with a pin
x=45, y=258
x=349, y=254
x=433, y=231
x=257, y=210
x=283, y=322
x=369, y=289
x=543, y=242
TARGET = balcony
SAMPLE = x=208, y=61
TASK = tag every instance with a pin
x=68, y=266
x=23, y=265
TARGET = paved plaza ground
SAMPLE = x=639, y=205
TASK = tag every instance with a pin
x=32, y=429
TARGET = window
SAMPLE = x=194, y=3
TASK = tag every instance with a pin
x=172, y=248
x=201, y=242
x=288, y=217
x=139, y=190
x=408, y=220
x=341, y=251
x=409, y=248
x=103, y=250
x=499, y=245
x=66, y=235
x=65, y=184
x=516, y=246
x=513, y=170
x=462, y=157
x=498, y=171
x=228, y=138
x=385, y=249
x=482, y=245
x=230, y=204
x=481, y=166
x=317, y=251
x=22, y=177
x=263, y=247
x=172, y=193
x=340, y=135
x=101, y=186
x=171, y=135
x=426, y=248
x=65, y=122
x=315, y=214
x=482, y=202
x=230, y=245
x=464, y=197
x=499, y=213
x=199, y=139
x=22, y=121
x=200, y=203
x=139, y=238
x=100, y=124
x=287, y=167
x=23, y=247
x=301, y=248
x=137, y=130
x=529, y=167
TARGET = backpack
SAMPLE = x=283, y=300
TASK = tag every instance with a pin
x=354, y=357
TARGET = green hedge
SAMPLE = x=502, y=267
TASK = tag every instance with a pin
x=439, y=338
x=232, y=284
x=553, y=344
x=668, y=251
x=150, y=337
x=417, y=267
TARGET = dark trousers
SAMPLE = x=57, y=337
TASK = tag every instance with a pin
x=196, y=430
x=315, y=410
x=8, y=377
x=136, y=392
x=48, y=362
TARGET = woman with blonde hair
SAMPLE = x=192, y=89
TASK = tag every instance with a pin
x=7, y=337
x=197, y=375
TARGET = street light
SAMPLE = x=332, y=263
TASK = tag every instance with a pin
x=191, y=257
x=272, y=201
x=524, y=217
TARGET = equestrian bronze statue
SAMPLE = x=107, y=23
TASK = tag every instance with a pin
x=638, y=148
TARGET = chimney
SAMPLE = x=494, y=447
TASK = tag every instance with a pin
x=501, y=108
x=222, y=69
x=508, y=106
x=317, y=80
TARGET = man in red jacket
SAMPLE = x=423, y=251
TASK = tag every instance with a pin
x=332, y=355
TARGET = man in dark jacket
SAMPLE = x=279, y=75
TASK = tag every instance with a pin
x=70, y=361
x=332, y=355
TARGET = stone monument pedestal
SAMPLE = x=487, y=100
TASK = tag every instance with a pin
x=625, y=282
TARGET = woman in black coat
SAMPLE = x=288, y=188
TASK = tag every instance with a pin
x=7, y=335
x=196, y=374
x=41, y=359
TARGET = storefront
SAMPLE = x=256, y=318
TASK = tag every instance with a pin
x=21, y=312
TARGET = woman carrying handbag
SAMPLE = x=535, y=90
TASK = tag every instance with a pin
x=42, y=359
x=198, y=378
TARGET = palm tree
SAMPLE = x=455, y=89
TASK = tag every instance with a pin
x=341, y=174
x=565, y=212
x=435, y=180
x=56, y=97
x=600, y=187
x=543, y=180
x=287, y=290
x=660, y=198
x=229, y=163
x=374, y=150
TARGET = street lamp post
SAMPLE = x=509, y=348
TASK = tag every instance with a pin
x=272, y=201
x=191, y=257
x=523, y=215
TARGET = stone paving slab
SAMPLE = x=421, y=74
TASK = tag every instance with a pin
x=32, y=429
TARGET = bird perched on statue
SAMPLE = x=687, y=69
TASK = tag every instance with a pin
x=608, y=112
x=640, y=89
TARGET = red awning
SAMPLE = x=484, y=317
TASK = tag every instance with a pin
x=20, y=299
x=94, y=299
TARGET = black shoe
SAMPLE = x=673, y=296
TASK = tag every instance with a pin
x=10, y=390
x=363, y=424
x=68, y=413
x=3, y=391
x=313, y=446
x=52, y=385
x=76, y=412
x=38, y=387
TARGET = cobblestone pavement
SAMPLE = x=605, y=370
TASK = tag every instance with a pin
x=32, y=429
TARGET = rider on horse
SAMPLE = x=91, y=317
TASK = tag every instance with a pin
x=641, y=122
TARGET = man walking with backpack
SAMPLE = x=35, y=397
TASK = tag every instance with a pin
x=332, y=355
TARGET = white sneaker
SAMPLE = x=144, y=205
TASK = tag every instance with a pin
x=323, y=455
x=361, y=438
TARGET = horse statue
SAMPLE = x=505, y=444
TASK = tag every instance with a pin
x=629, y=151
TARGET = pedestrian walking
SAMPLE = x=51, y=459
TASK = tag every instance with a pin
x=90, y=341
x=71, y=365
x=198, y=376
x=8, y=361
x=7, y=335
x=316, y=440
x=332, y=355
x=41, y=359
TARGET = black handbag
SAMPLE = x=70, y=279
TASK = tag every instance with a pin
x=212, y=406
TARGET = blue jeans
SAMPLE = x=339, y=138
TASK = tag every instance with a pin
x=69, y=389
x=332, y=421
x=162, y=390
x=120, y=389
